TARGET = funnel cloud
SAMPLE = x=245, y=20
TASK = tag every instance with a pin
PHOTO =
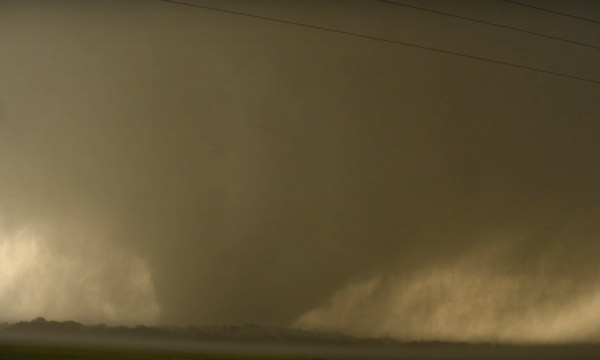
x=162, y=164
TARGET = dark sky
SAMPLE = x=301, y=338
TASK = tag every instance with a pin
x=166, y=164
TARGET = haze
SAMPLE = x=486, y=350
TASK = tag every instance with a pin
x=164, y=164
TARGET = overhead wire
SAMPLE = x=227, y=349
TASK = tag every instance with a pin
x=489, y=23
x=552, y=11
x=390, y=41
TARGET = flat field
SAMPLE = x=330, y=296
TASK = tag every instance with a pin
x=34, y=352
x=456, y=352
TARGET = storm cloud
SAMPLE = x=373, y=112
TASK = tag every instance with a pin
x=223, y=169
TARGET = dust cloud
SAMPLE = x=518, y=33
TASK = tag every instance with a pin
x=165, y=164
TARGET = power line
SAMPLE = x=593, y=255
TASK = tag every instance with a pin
x=490, y=23
x=552, y=11
x=396, y=42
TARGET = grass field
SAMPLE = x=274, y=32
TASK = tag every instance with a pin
x=82, y=352
x=28, y=352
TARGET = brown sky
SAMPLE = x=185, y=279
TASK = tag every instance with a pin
x=261, y=172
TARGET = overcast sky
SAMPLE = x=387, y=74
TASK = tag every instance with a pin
x=161, y=163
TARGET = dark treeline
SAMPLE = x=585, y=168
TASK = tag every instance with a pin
x=245, y=333
x=291, y=340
